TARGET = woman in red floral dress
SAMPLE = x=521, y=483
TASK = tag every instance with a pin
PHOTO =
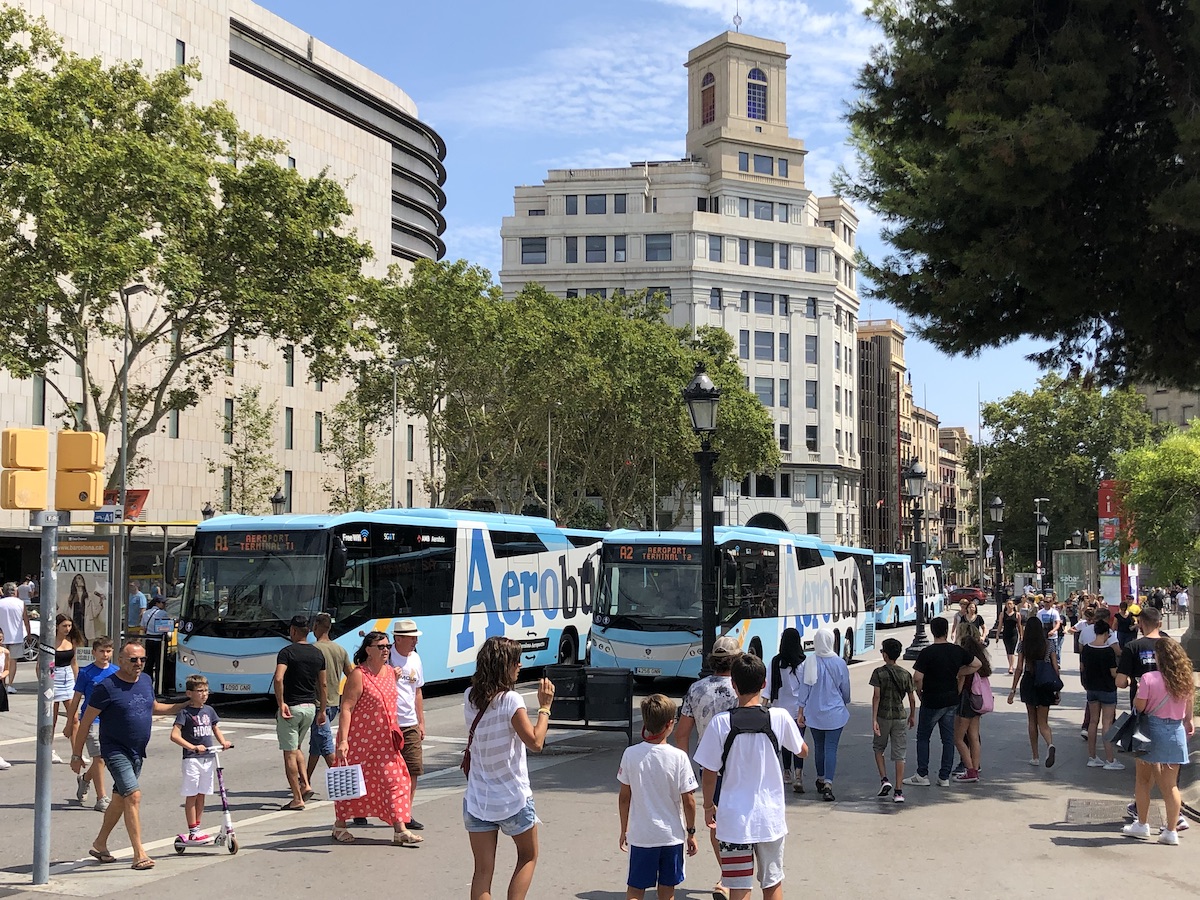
x=369, y=736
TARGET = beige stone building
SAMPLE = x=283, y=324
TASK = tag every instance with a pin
x=333, y=114
x=960, y=524
x=1170, y=405
x=733, y=238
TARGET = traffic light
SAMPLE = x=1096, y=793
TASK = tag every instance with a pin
x=77, y=483
x=1091, y=536
x=25, y=453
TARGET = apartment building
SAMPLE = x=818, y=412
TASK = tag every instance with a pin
x=959, y=518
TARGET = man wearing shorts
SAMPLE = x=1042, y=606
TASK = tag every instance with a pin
x=126, y=698
x=14, y=620
x=337, y=664
x=410, y=701
x=301, y=695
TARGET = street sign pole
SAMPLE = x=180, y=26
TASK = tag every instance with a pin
x=49, y=522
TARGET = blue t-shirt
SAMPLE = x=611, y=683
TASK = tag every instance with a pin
x=137, y=606
x=127, y=710
x=196, y=727
x=85, y=683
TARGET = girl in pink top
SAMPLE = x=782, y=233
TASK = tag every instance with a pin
x=1165, y=698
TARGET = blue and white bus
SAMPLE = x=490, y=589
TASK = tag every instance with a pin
x=895, y=594
x=648, y=610
x=463, y=576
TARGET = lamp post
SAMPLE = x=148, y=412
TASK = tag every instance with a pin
x=396, y=364
x=1043, y=529
x=207, y=511
x=278, y=501
x=1039, y=533
x=996, y=511
x=550, y=462
x=1076, y=539
x=701, y=396
x=914, y=486
x=126, y=292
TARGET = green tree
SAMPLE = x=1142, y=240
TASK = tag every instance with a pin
x=110, y=177
x=249, y=460
x=1057, y=441
x=1161, y=496
x=349, y=443
x=1037, y=167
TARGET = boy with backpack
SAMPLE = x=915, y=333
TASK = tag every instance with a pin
x=892, y=684
x=656, y=804
x=743, y=784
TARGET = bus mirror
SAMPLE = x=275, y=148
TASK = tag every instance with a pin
x=337, y=560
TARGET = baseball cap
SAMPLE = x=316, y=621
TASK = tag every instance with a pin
x=726, y=646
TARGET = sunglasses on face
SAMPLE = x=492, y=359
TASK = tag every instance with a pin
x=136, y=660
x=382, y=646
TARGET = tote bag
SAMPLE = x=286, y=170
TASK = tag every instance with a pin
x=345, y=782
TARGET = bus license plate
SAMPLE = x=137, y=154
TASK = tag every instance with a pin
x=647, y=670
x=237, y=688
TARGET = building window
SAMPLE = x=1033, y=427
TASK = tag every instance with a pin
x=536, y=212
x=619, y=204
x=783, y=170
x=743, y=162
x=813, y=522
x=764, y=345
x=785, y=389
x=764, y=210
x=173, y=423
x=701, y=204
x=318, y=431
x=39, y=399
x=783, y=305
x=658, y=248
x=783, y=256
x=572, y=249
x=744, y=302
x=287, y=490
x=837, y=400
x=783, y=211
x=837, y=439
x=764, y=304
x=764, y=485
x=849, y=363
x=810, y=437
x=227, y=430
x=810, y=307
x=744, y=344
x=810, y=394
x=1160, y=415
x=572, y=292
x=764, y=165
x=743, y=251
x=784, y=348
x=714, y=298
x=764, y=254
x=744, y=207
x=533, y=251
x=291, y=162
x=618, y=248
x=764, y=388
x=715, y=242
x=180, y=53
x=837, y=316
x=756, y=95
x=572, y=204
x=289, y=422
x=810, y=349
x=837, y=355
x=596, y=248
x=810, y=259
x=708, y=99
x=289, y=366
x=602, y=293
x=595, y=204
x=227, y=487
x=812, y=487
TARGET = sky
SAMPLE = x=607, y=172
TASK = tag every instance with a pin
x=516, y=89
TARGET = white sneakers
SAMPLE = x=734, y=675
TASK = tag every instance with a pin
x=55, y=758
x=922, y=780
x=1114, y=766
x=4, y=764
x=1095, y=762
x=1140, y=830
x=1169, y=837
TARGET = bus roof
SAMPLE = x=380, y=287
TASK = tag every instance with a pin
x=721, y=534
x=431, y=517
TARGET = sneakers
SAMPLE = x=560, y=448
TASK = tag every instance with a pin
x=885, y=787
x=82, y=783
x=1114, y=766
x=1169, y=837
x=4, y=764
x=943, y=782
x=970, y=776
x=1095, y=762
x=102, y=804
x=414, y=825
x=898, y=797
x=198, y=837
x=922, y=780
x=960, y=769
x=1140, y=830
x=55, y=758
x=798, y=786
x=1182, y=824
x=10, y=689
x=1131, y=811
x=1034, y=761
x=1083, y=733
x=1050, y=757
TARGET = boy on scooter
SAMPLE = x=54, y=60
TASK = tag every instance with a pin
x=196, y=730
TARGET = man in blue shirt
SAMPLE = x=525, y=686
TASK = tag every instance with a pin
x=85, y=683
x=126, y=699
x=137, y=605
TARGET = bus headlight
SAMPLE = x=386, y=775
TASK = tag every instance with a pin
x=187, y=659
x=602, y=646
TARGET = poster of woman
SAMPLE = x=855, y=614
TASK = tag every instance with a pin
x=83, y=584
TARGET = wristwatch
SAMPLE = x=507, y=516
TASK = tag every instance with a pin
x=691, y=831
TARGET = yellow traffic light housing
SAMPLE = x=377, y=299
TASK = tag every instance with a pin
x=78, y=483
x=24, y=453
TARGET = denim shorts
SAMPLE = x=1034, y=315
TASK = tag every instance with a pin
x=320, y=737
x=519, y=823
x=1104, y=698
x=651, y=866
x=124, y=769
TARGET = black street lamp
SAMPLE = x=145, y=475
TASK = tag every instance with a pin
x=701, y=396
x=914, y=488
x=996, y=511
x=1043, y=529
x=278, y=501
x=207, y=511
x=1076, y=538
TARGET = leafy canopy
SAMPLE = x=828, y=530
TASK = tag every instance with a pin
x=1037, y=167
x=1161, y=495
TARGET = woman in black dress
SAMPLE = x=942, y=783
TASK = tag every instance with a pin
x=1126, y=624
x=1038, y=698
x=1008, y=632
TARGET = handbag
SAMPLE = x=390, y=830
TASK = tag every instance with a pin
x=982, y=700
x=1126, y=732
x=345, y=782
x=1044, y=676
x=465, y=765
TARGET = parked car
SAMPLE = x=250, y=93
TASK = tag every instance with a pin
x=979, y=595
x=30, y=651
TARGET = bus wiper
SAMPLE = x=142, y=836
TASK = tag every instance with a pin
x=624, y=621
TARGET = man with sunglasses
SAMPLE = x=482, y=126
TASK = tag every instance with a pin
x=127, y=702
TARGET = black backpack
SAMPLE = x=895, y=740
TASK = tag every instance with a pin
x=745, y=720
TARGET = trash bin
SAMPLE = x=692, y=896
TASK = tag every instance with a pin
x=569, y=687
x=609, y=695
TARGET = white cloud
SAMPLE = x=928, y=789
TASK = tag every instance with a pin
x=478, y=243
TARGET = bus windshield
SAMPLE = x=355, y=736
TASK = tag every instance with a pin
x=651, y=596
x=252, y=587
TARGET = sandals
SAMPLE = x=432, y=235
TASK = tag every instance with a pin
x=143, y=864
x=102, y=855
x=291, y=806
x=341, y=834
x=406, y=839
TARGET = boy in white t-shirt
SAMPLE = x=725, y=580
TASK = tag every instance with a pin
x=747, y=810
x=657, y=788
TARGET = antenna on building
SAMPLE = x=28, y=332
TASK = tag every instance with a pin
x=737, y=17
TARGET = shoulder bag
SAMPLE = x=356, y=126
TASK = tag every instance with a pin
x=982, y=700
x=465, y=765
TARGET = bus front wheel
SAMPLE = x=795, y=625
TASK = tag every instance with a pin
x=567, y=653
x=848, y=646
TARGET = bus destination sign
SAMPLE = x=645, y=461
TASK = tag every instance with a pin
x=651, y=553
x=257, y=542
